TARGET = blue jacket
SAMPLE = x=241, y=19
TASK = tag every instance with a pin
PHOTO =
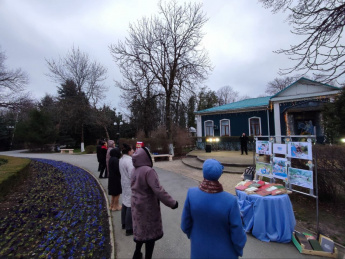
x=213, y=224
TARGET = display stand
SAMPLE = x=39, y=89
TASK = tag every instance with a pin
x=289, y=147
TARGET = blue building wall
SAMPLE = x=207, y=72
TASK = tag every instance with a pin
x=239, y=122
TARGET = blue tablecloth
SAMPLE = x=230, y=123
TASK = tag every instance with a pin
x=270, y=218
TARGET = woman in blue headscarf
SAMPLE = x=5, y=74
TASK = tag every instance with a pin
x=211, y=218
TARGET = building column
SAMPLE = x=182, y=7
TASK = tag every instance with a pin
x=277, y=127
x=198, y=126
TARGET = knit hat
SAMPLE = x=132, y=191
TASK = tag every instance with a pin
x=212, y=169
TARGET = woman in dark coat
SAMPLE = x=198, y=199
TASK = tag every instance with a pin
x=102, y=160
x=114, y=182
x=147, y=193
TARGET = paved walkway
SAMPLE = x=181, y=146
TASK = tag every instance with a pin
x=176, y=178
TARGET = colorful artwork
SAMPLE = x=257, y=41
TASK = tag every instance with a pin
x=279, y=168
x=303, y=178
x=264, y=169
x=263, y=147
x=301, y=150
x=279, y=149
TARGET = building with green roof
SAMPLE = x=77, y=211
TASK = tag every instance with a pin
x=296, y=110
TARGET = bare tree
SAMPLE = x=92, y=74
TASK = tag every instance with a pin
x=278, y=84
x=322, y=23
x=227, y=94
x=167, y=47
x=86, y=74
x=12, y=85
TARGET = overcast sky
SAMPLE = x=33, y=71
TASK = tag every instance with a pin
x=240, y=38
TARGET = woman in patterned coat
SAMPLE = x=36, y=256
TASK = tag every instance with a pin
x=147, y=193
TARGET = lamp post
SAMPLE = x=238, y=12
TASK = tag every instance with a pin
x=118, y=124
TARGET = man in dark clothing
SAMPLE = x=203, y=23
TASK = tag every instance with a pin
x=98, y=150
x=244, y=140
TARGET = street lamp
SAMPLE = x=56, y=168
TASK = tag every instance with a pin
x=118, y=124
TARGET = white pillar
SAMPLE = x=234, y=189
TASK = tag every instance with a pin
x=198, y=126
x=277, y=127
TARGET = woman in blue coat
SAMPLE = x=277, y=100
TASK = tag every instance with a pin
x=211, y=218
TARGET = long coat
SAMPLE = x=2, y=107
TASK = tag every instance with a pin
x=111, y=145
x=114, y=181
x=126, y=168
x=213, y=224
x=146, y=196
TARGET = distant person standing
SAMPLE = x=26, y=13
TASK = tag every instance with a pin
x=102, y=159
x=244, y=141
x=211, y=218
x=98, y=152
x=126, y=168
x=111, y=145
x=114, y=182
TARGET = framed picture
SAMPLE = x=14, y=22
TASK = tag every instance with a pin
x=263, y=147
x=301, y=150
x=264, y=169
x=279, y=149
x=300, y=177
x=279, y=169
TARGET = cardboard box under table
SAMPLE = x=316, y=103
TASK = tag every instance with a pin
x=302, y=249
x=269, y=218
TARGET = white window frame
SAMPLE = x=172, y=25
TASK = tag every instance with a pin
x=205, y=131
x=220, y=126
x=250, y=129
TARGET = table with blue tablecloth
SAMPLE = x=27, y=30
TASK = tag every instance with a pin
x=269, y=218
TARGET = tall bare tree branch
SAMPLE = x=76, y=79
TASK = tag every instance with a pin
x=321, y=23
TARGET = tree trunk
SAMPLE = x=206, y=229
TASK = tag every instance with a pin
x=168, y=123
x=82, y=138
x=106, y=131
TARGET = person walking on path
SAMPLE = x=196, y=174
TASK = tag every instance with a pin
x=244, y=142
x=111, y=145
x=98, y=152
x=147, y=193
x=126, y=168
x=211, y=218
x=114, y=182
x=102, y=159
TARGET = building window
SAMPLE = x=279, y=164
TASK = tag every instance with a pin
x=225, y=128
x=255, y=126
x=208, y=128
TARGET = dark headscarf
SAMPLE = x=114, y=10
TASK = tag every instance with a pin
x=115, y=152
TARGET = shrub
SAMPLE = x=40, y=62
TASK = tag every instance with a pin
x=90, y=149
x=330, y=168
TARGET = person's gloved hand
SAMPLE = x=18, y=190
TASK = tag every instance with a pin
x=176, y=205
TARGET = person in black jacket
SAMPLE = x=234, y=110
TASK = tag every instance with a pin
x=98, y=152
x=102, y=160
x=244, y=141
x=114, y=182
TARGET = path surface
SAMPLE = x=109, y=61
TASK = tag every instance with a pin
x=176, y=178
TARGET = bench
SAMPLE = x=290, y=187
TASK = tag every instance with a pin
x=162, y=155
x=64, y=150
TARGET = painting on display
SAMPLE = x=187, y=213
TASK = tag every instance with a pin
x=279, y=169
x=264, y=169
x=301, y=150
x=300, y=177
x=263, y=147
x=279, y=149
